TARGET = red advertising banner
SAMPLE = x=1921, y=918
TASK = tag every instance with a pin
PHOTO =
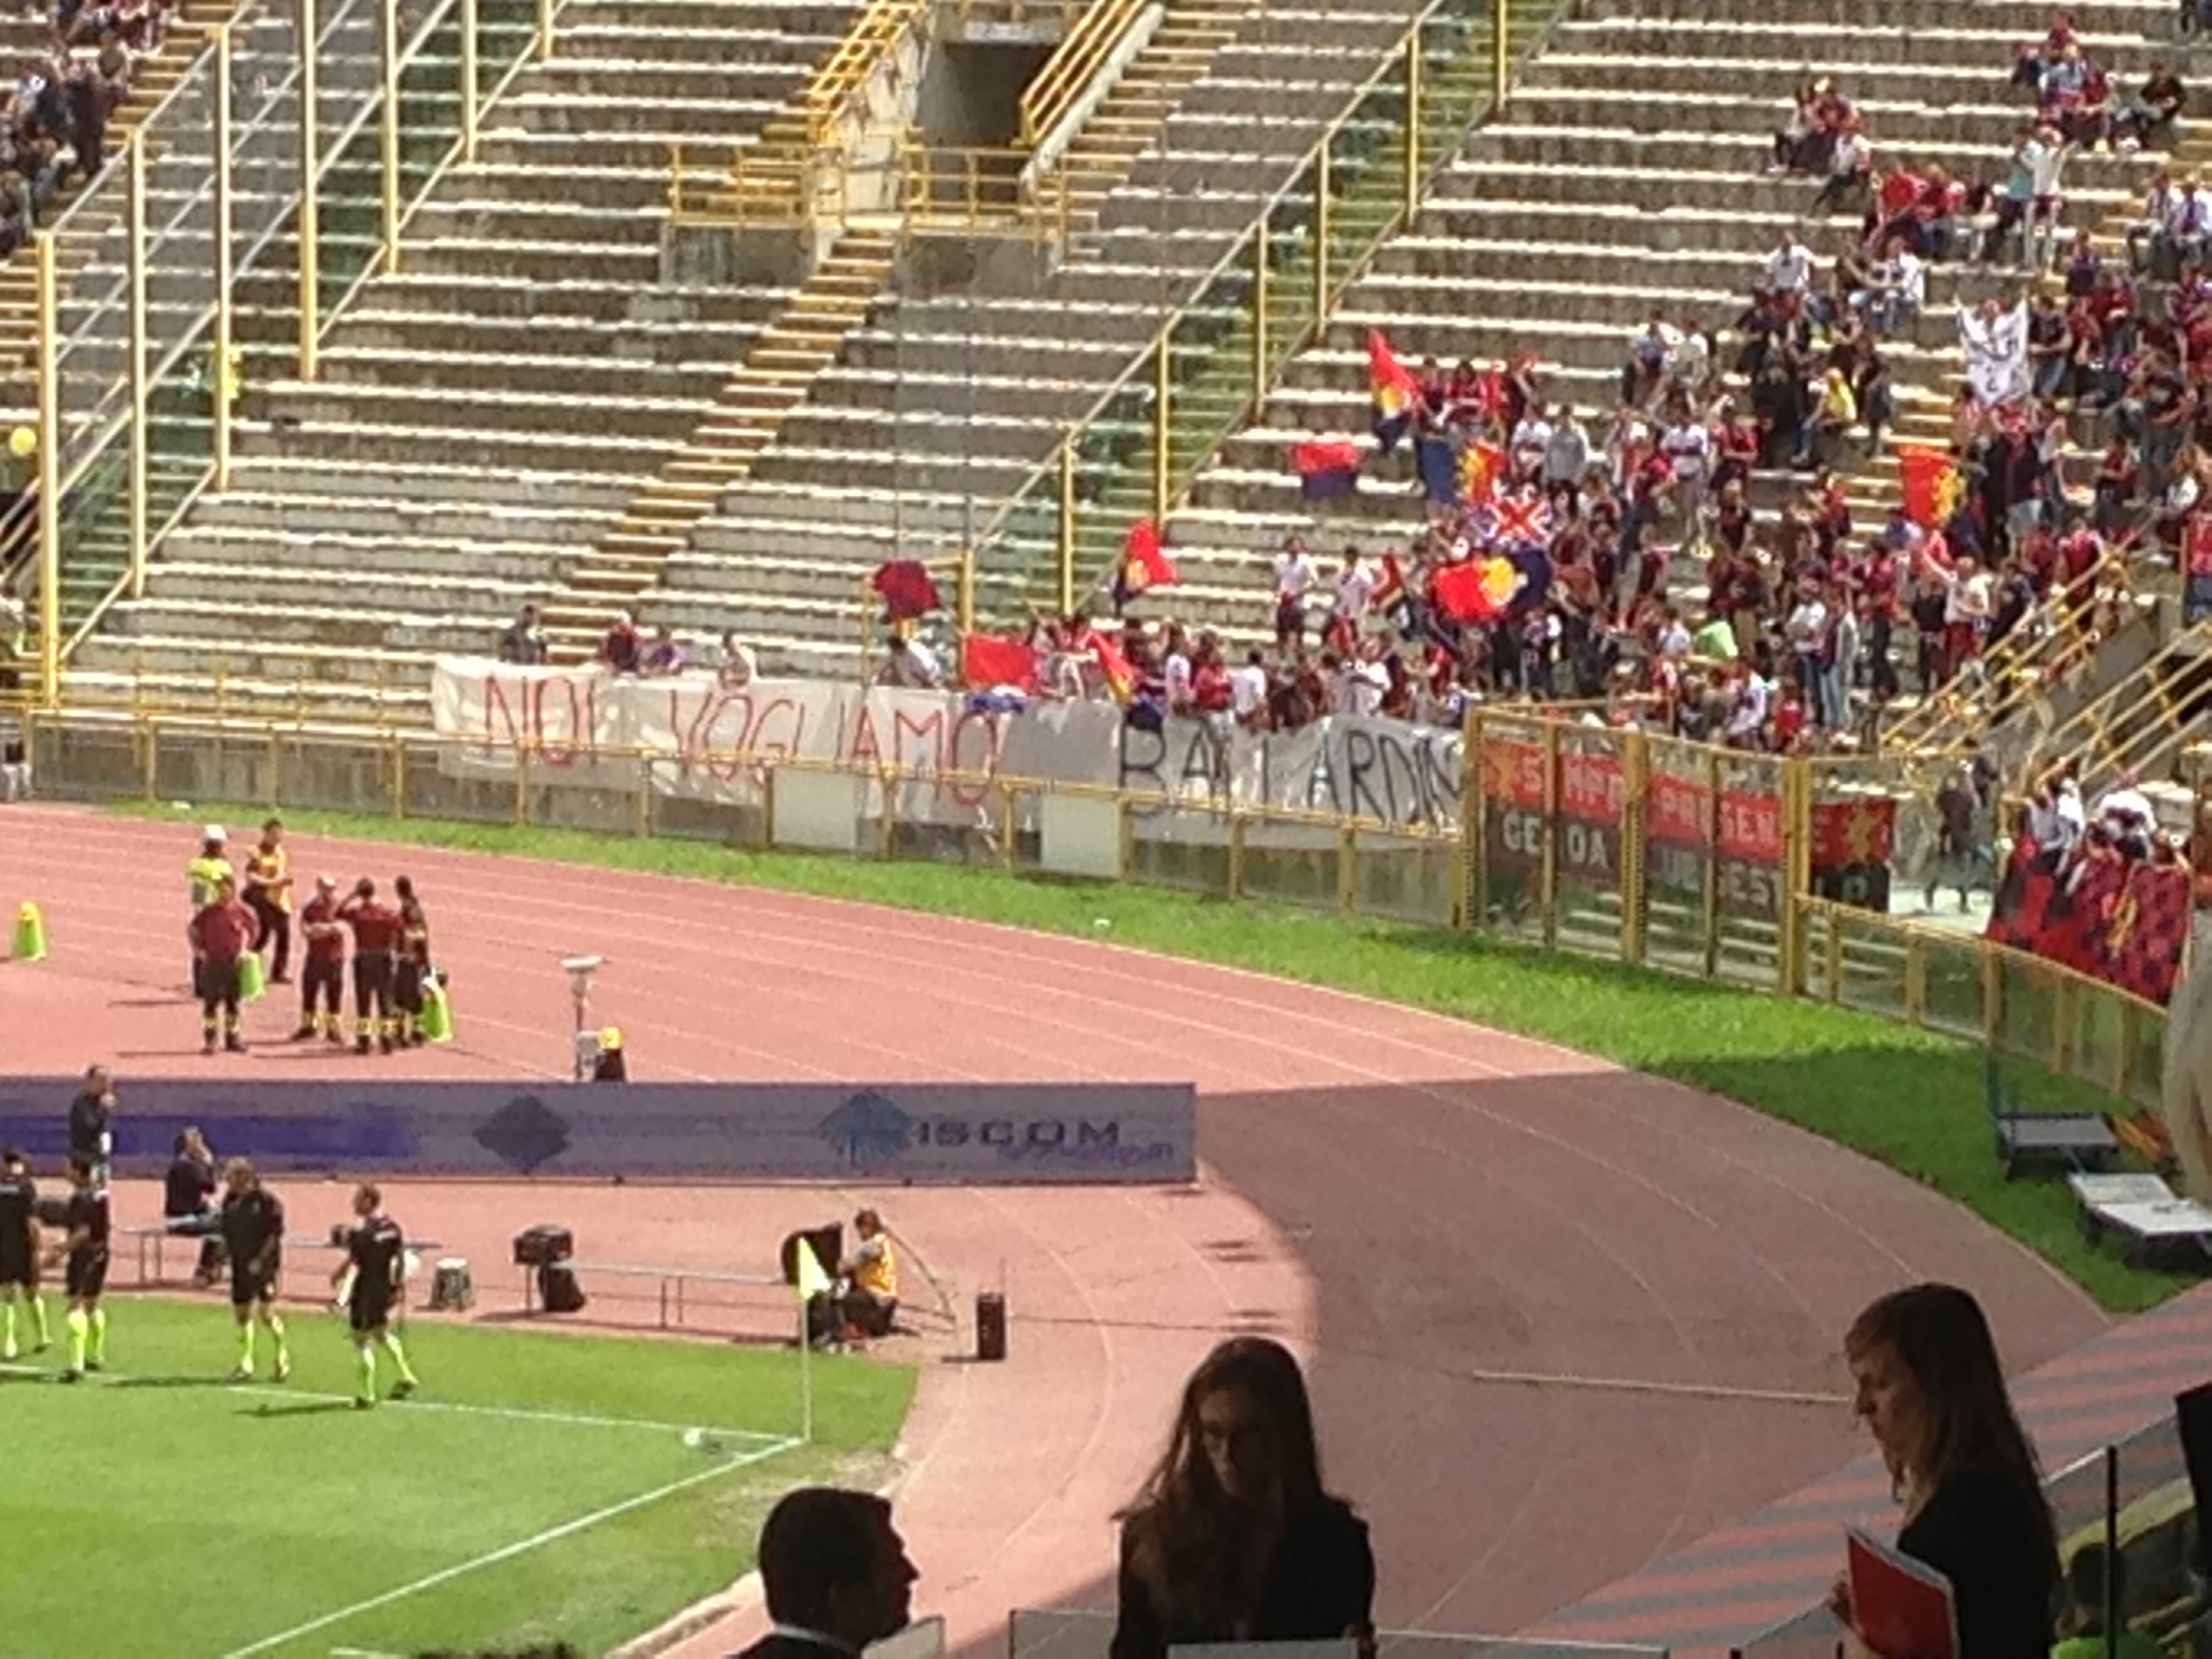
x=1591, y=789
x=1751, y=826
x=1680, y=812
x=1514, y=772
x=1861, y=831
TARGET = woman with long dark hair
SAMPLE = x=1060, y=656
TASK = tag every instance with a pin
x=1233, y=1537
x=1928, y=1383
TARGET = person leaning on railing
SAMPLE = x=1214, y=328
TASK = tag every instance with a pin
x=1929, y=1386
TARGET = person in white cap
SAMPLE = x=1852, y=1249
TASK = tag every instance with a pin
x=206, y=873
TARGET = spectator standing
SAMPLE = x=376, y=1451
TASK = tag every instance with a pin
x=1929, y=1389
x=523, y=644
x=322, y=978
x=1233, y=1537
x=1295, y=576
x=91, y=1121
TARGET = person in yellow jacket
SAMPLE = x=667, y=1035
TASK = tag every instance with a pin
x=205, y=874
x=268, y=895
x=871, y=1273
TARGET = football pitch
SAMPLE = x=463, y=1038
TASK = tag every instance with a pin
x=540, y=1487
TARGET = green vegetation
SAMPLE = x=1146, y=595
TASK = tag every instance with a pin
x=154, y=1510
x=1910, y=1098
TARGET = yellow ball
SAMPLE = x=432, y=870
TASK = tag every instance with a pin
x=22, y=442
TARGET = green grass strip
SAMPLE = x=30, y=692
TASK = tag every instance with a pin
x=1910, y=1098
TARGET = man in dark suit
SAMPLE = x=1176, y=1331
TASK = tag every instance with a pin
x=836, y=1575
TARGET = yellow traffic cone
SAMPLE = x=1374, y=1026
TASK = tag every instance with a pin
x=252, y=977
x=437, y=1014
x=30, y=933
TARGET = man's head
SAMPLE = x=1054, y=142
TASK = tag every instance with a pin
x=238, y=1177
x=365, y=888
x=272, y=832
x=831, y=1561
x=12, y=1162
x=190, y=1143
x=98, y=1081
x=527, y=616
x=213, y=841
x=325, y=886
x=367, y=1199
x=405, y=886
x=867, y=1224
x=226, y=890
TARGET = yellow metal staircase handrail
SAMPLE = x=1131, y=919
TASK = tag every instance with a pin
x=1150, y=365
x=1074, y=63
x=2019, y=665
x=852, y=61
x=2097, y=736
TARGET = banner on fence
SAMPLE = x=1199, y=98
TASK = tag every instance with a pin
x=585, y=730
x=962, y=1134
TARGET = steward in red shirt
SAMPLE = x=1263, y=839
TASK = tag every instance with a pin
x=322, y=980
x=376, y=929
x=221, y=934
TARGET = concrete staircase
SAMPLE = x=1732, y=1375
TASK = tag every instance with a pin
x=1129, y=119
x=1629, y=177
x=23, y=39
x=490, y=410
x=802, y=341
x=944, y=406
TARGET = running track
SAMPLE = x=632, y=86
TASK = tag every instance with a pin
x=1562, y=1319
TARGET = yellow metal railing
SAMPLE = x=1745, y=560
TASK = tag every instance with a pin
x=122, y=456
x=1077, y=62
x=1286, y=274
x=2137, y=722
x=2057, y=636
x=1562, y=836
x=874, y=34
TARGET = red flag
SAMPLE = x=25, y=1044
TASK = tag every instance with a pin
x=907, y=589
x=1929, y=481
x=1120, y=678
x=1143, y=564
x=1392, y=388
x=1326, y=466
x=988, y=659
x=1476, y=591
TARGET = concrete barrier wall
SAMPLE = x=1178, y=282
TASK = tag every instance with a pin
x=952, y=1134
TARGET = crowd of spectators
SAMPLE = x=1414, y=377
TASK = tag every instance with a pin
x=54, y=136
x=1659, y=580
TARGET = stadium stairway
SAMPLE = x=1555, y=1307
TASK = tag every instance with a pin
x=1129, y=120
x=488, y=409
x=23, y=39
x=1629, y=177
x=944, y=406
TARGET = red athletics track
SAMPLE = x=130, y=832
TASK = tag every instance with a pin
x=1560, y=1317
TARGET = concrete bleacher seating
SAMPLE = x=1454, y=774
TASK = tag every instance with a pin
x=1629, y=176
x=489, y=406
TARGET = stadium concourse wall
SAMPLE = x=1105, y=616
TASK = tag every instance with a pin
x=962, y=1134
x=1764, y=871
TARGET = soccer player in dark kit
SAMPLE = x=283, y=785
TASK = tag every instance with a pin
x=85, y=1275
x=376, y=928
x=19, y=1253
x=253, y=1232
x=376, y=1257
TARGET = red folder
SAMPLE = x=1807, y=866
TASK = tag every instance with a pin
x=1903, y=1609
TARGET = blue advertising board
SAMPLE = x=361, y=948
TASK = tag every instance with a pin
x=944, y=1134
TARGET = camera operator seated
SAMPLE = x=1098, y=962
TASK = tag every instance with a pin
x=869, y=1276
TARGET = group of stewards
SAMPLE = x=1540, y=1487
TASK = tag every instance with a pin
x=392, y=969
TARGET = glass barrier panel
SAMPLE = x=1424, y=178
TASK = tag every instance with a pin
x=2153, y=1489
x=1749, y=876
x=1184, y=847
x=2027, y=1007
x=2097, y=1034
x=1291, y=862
x=1679, y=868
x=2077, y=1496
x=1587, y=829
x=78, y=762
x=2147, y=1046
x=1407, y=877
x=1059, y=1633
x=1953, y=995
x=1813, y=1634
x=941, y=821
x=458, y=781
x=1509, y=846
x=1871, y=954
x=337, y=775
x=722, y=800
x=215, y=763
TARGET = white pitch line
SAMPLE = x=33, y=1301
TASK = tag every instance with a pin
x=508, y=1552
x=513, y=1413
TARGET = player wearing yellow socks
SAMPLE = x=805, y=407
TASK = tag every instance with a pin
x=376, y=1258
x=254, y=1234
x=85, y=1278
x=19, y=1254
